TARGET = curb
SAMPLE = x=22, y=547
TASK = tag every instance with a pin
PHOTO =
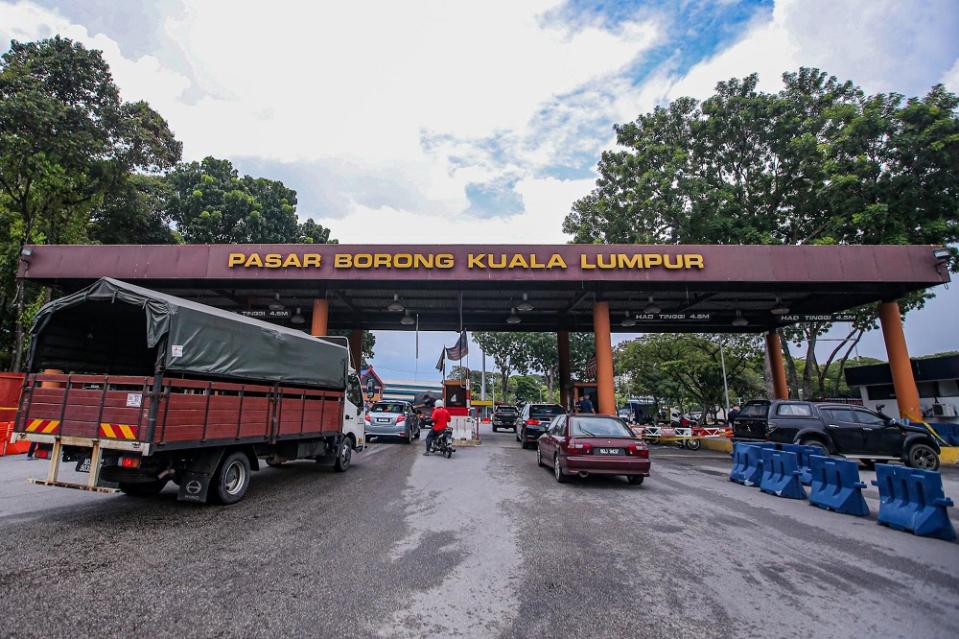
x=949, y=455
x=719, y=445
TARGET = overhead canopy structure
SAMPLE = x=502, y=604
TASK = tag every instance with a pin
x=116, y=327
x=562, y=288
x=552, y=287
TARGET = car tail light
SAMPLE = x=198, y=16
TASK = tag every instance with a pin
x=366, y=418
x=532, y=422
x=128, y=461
x=401, y=419
x=574, y=447
x=636, y=450
x=42, y=453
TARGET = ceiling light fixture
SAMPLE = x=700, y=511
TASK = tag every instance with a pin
x=740, y=320
x=524, y=306
x=628, y=321
x=779, y=308
x=298, y=318
x=276, y=305
x=513, y=318
x=396, y=306
x=652, y=308
x=407, y=319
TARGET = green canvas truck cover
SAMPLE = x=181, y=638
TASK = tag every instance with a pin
x=197, y=340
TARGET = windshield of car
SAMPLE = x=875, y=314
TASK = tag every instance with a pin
x=598, y=427
x=542, y=411
x=387, y=408
x=754, y=410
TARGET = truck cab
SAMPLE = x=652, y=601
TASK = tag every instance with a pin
x=354, y=412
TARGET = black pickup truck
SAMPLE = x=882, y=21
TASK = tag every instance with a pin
x=839, y=429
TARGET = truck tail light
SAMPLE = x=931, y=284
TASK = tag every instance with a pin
x=574, y=447
x=129, y=461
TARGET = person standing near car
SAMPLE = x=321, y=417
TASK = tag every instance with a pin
x=441, y=419
x=586, y=405
x=733, y=413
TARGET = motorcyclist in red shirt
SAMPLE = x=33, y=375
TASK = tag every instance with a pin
x=441, y=420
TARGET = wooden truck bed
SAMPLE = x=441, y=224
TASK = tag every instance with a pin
x=189, y=413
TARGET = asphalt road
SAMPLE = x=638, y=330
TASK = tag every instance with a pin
x=483, y=545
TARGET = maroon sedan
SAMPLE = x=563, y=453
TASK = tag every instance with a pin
x=592, y=445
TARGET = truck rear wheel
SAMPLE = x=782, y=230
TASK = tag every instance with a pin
x=143, y=489
x=343, y=456
x=232, y=478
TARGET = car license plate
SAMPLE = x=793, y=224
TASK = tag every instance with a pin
x=83, y=466
x=610, y=451
x=383, y=420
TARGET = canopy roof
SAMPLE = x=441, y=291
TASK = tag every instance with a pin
x=704, y=288
x=98, y=326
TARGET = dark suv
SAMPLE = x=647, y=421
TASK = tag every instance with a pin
x=838, y=429
x=533, y=421
x=505, y=417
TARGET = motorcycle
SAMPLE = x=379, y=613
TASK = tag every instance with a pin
x=443, y=444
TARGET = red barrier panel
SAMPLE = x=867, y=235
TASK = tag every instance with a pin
x=10, y=386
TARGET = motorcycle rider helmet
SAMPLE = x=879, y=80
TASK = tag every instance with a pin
x=438, y=404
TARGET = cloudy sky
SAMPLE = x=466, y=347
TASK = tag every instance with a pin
x=430, y=121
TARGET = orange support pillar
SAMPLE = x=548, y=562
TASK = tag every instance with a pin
x=903, y=381
x=356, y=347
x=562, y=344
x=605, y=391
x=321, y=310
x=774, y=350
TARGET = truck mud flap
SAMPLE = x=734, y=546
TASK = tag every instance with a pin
x=195, y=480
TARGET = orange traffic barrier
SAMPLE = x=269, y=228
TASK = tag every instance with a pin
x=10, y=386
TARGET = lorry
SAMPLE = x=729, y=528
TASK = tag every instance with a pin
x=140, y=388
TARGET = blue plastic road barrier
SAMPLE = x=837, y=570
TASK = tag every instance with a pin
x=753, y=471
x=738, y=472
x=913, y=500
x=803, y=453
x=781, y=474
x=836, y=486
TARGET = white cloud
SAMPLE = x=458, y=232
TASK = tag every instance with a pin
x=381, y=114
x=546, y=202
x=143, y=78
x=883, y=45
x=354, y=90
x=951, y=77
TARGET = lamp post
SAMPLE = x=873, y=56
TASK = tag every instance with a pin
x=722, y=361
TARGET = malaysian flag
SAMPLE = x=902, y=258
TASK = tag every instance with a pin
x=591, y=368
x=458, y=350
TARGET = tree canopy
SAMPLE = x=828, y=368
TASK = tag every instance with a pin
x=78, y=165
x=688, y=368
x=818, y=162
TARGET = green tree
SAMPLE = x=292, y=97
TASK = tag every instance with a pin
x=529, y=388
x=817, y=162
x=67, y=140
x=582, y=347
x=509, y=352
x=310, y=232
x=369, y=342
x=684, y=368
x=212, y=203
x=134, y=213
